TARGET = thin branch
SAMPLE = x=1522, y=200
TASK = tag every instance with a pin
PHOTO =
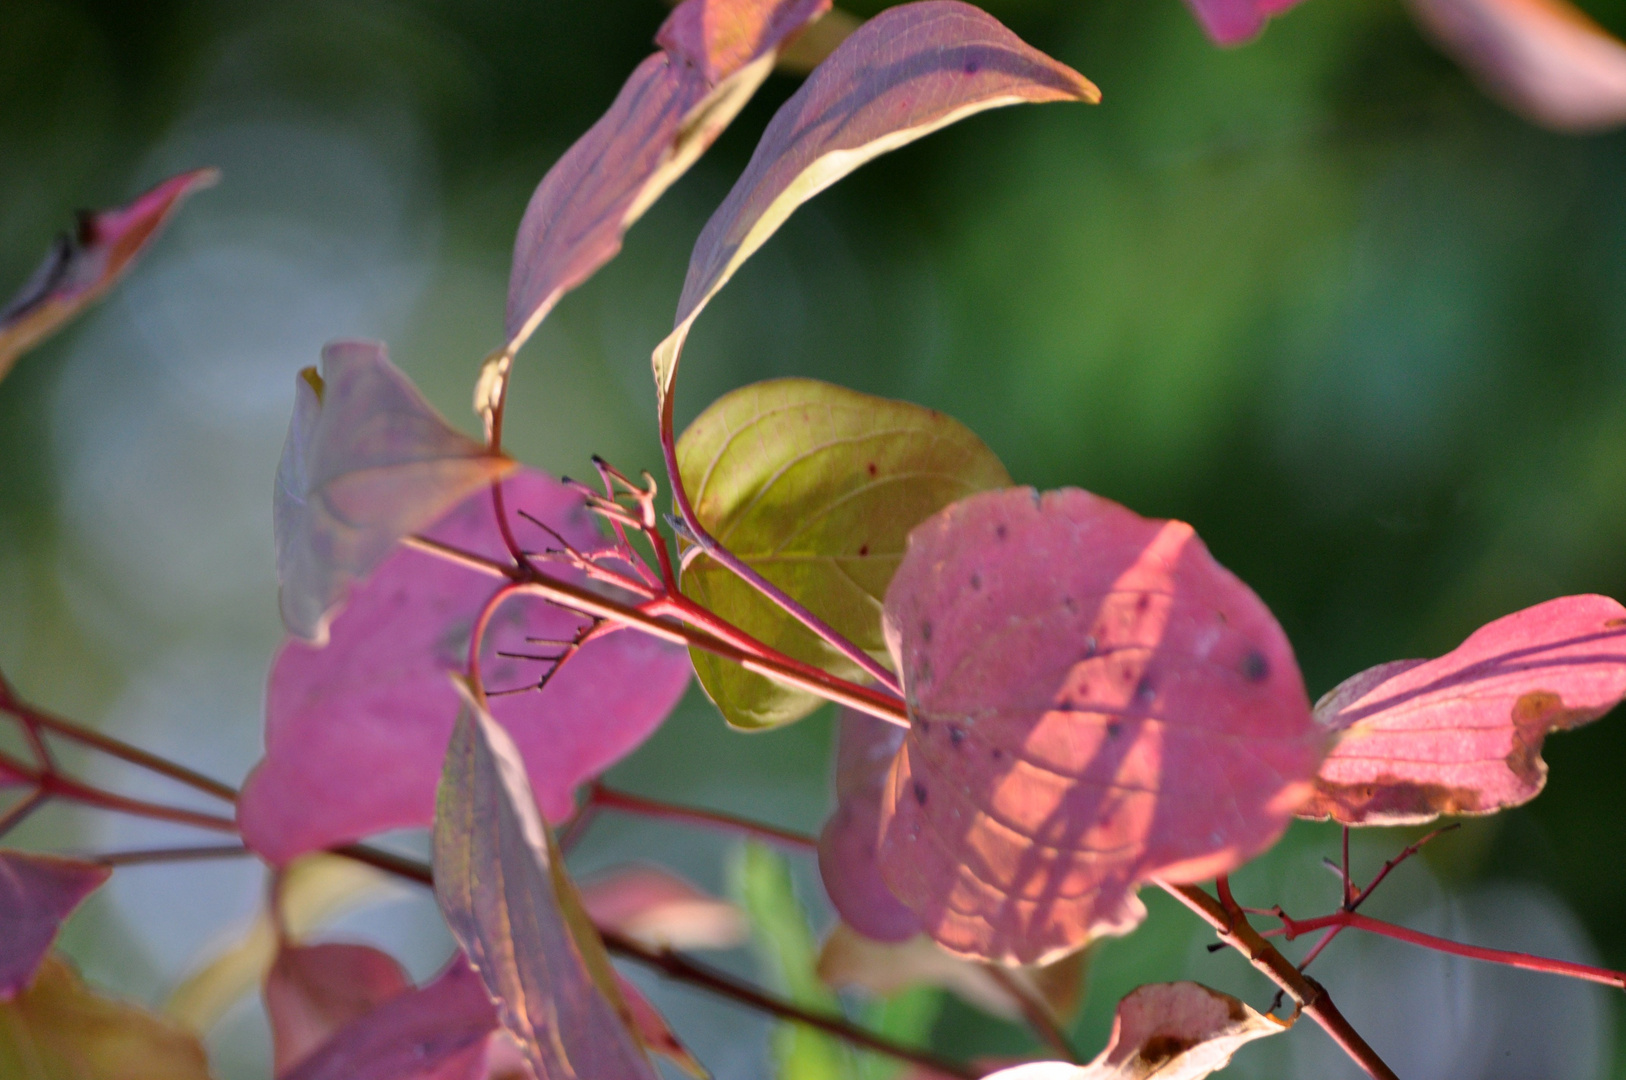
x=56, y=785
x=601, y=796
x=468, y=559
x=169, y=855
x=19, y=811
x=1036, y=1011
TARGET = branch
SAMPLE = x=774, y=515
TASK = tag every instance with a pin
x=1035, y=1011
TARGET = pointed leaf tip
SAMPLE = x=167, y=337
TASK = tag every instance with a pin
x=1462, y=734
x=652, y=905
x=1232, y=22
x=37, y=893
x=1095, y=701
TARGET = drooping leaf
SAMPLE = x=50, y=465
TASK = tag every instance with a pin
x=849, y=961
x=1230, y=22
x=83, y=266
x=312, y=991
x=356, y=732
x=715, y=53
x=438, y=1032
x=1544, y=59
x=58, y=1029
x=37, y=893
x=655, y=906
x=1095, y=701
x=366, y=462
x=502, y=886
x=848, y=853
x=816, y=487
x=1462, y=734
x=1166, y=1031
x=905, y=73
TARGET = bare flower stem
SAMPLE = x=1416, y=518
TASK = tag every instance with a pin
x=609, y=799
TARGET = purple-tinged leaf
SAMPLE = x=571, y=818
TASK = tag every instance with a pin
x=81, y=267
x=715, y=53
x=655, y=906
x=367, y=461
x=356, y=732
x=502, y=886
x=848, y=859
x=438, y=1032
x=1231, y=22
x=313, y=991
x=907, y=72
x=37, y=893
x=1544, y=59
x=1164, y=1031
x=1462, y=734
x=1095, y=701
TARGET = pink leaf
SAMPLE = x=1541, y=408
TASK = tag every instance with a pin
x=1230, y=22
x=37, y=893
x=660, y=909
x=1462, y=734
x=1544, y=59
x=654, y=1032
x=502, y=886
x=355, y=732
x=312, y=991
x=82, y=267
x=907, y=72
x=865, y=749
x=438, y=1032
x=366, y=462
x=1165, y=1031
x=1095, y=702
x=715, y=54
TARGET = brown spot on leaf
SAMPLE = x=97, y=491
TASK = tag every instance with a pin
x=1388, y=798
x=1615, y=624
x=863, y=549
x=872, y=469
x=920, y=793
x=926, y=632
x=1163, y=1048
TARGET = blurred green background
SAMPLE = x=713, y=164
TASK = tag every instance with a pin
x=1317, y=296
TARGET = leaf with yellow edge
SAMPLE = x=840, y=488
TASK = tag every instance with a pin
x=816, y=487
x=59, y=1030
x=908, y=71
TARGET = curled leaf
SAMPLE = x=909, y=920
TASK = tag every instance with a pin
x=58, y=1029
x=1544, y=59
x=1166, y=1031
x=502, y=886
x=655, y=906
x=1462, y=734
x=816, y=487
x=1231, y=22
x=1094, y=702
x=312, y=991
x=715, y=53
x=83, y=266
x=37, y=893
x=367, y=461
x=848, y=856
x=905, y=73
x=355, y=732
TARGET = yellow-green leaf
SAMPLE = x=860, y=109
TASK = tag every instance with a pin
x=817, y=488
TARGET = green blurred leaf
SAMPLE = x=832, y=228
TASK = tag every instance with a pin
x=817, y=487
x=907, y=1018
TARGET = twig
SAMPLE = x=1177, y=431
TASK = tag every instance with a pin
x=19, y=811
x=600, y=796
x=169, y=855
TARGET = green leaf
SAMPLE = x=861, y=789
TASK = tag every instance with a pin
x=906, y=1018
x=817, y=488
x=787, y=948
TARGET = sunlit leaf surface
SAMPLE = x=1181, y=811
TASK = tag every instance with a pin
x=356, y=731
x=502, y=886
x=37, y=892
x=910, y=70
x=1462, y=734
x=1232, y=21
x=83, y=266
x=1094, y=701
x=312, y=991
x=816, y=487
x=653, y=905
x=366, y=462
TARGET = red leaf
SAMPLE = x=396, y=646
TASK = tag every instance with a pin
x=37, y=893
x=660, y=909
x=1462, y=734
x=312, y=991
x=1095, y=702
x=1230, y=22
x=907, y=72
x=865, y=749
x=355, y=732
x=438, y=1032
x=82, y=267
x=1544, y=59
x=715, y=54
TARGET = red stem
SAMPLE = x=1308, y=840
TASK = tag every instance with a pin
x=600, y=796
x=18, y=812
x=55, y=785
x=169, y=855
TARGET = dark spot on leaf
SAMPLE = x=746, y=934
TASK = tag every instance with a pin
x=972, y=67
x=976, y=581
x=925, y=726
x=1146, y=689
x=956, y=736
x=926, y=631
x=1255, y=668
x=920, y=793
x=1390, y=797
x=1114, y=729
x=1162, y=1048
x=1090, y=646
x=1001, y=531
x=1615, y=624
x=872, y=469
x=863, y=549
x=996, y=753
x=1070, y=605
x=1144, y=602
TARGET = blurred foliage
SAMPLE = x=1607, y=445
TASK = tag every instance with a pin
x=1316, y=295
